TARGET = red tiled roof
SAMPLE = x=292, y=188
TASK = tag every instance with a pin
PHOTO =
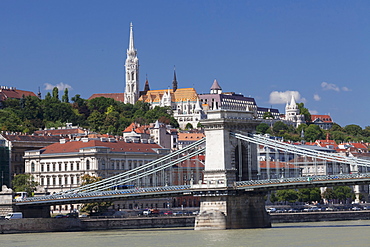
x=324, y=118
x=139, y=129
x=31, y=138
x=116, y=96
x=195, y=161
x=14, y=94
x=273, y=164
x=326, y=143
x=119, y=146
x=357, y=145
x=190, y=136
x=58, y=132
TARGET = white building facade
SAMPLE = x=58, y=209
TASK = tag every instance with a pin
x=60, y=166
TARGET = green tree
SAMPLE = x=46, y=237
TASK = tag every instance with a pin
x=336, y=127
x=287, y=195
x=95, y=207
x=343, y=193
x=56, y=93
x=10, y=121
x=353, y=129
x=262, y=128
x=329, y=194
x=304, y=111
x=189, y=126
x=309, y=194
x=313, y=133
x=338, y=136
x=279, y=128
x=267, y=115
x=24, y=182
x=65, y=97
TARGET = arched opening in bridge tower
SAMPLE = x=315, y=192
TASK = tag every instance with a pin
x=245, y=160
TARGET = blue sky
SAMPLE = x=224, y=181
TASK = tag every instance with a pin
x=317, y=50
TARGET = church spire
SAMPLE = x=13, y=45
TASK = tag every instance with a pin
x=132, y=72
x=146, y=87
x=174, y=82
x=131, y=45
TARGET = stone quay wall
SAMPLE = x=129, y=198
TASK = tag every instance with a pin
x=29, y=225
x=319, y=216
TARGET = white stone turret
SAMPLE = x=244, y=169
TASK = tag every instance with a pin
x=132, y=72
x=292, y=113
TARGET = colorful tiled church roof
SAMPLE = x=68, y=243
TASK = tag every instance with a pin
x=181, y=94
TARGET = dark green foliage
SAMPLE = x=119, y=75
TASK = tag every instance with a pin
x=340, y=193
x=287, y=196
x=65, y=97
x=95, y=207
x=103, y=115
x=262, y=128
x=309, y=195
x=267, y=115
x=24, y=182
x=304, y=111
x=313, y=133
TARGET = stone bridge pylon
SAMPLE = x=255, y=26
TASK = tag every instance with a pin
x=229, y=160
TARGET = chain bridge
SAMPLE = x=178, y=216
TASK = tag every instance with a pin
x=240, y=168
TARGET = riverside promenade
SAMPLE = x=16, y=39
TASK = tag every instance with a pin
x=29, y=225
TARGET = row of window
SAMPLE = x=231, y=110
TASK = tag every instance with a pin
x=53, y=167
x=60, y=181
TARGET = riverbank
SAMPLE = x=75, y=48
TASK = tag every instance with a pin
x=31, y=225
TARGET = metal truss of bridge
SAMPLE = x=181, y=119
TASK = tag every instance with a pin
x=276, y=175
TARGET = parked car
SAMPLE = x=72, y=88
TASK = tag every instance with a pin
x=15, y=215
x=271, y=210
x=168, y=213
x=61, y=216
x=293, y=210
x=178, y=213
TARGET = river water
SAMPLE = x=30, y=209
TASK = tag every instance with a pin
x=338, y=233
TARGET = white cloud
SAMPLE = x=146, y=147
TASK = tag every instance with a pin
x=284, y=97
x=316, y=97
x=61, y=86
x=329, y=86
x=346, y=89
x=333, y=87
x=313, y=112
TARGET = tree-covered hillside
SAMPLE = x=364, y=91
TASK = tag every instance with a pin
x=103, y=115
x=312, y=132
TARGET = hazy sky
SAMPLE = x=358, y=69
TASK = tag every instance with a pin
x=317, y=50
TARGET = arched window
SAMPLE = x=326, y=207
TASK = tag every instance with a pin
x=87, y=164
x=32, y=167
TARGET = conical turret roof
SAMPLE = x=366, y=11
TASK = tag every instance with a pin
x=215, y=85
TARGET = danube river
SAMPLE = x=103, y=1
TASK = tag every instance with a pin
x=338, y=233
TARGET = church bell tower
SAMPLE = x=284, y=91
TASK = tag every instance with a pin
x=132, y=72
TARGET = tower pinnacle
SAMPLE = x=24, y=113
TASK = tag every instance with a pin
x=174, y=82
x=131, y=45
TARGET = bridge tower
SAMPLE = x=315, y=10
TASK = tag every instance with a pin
x=229, y=160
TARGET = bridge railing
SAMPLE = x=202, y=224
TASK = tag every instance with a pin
x=144, y=170
x=299, y=150
x=310, y=179
x=109, y=193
